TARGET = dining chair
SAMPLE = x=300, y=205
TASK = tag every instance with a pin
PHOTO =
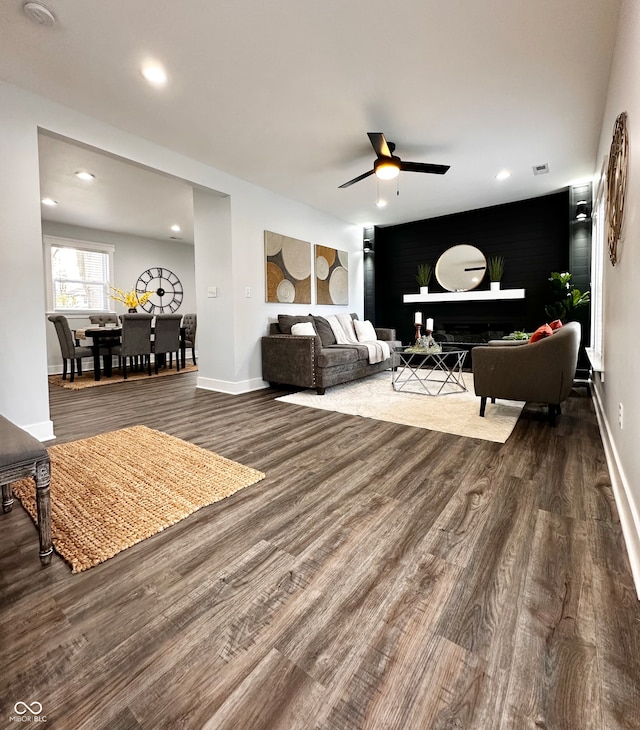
x=70, y=351
x=190, y=323
x=136, y=340
x=166, y=339
x=102, y=319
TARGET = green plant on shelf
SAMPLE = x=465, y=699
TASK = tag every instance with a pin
x=425, y=272
x=495, y=267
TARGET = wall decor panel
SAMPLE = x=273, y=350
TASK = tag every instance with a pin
x=332, y=275
x=287, y=269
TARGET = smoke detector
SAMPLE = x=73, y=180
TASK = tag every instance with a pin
x=39, y=13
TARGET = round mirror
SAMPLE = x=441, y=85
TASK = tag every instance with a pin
x=461, y=268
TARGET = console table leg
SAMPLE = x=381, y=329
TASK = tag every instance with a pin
x=43, y=504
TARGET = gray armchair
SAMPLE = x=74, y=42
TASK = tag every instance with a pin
x=540, y=372
x=71, y=353
x=136, y=340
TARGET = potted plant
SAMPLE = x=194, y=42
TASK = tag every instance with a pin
x=131, y=299
x=568, y=302
x=495, y=267
x=423, y=277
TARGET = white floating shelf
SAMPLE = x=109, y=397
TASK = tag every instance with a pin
x=464, y=296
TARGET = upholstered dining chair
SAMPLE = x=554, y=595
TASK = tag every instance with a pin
x=166, y=338
x=71, y=353
x=136, y=340
x=190, y=324
x=102, y=319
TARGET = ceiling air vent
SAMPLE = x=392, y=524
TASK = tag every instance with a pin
x=541, y=169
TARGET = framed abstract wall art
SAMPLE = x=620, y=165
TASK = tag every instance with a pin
x=288, y=269
x=332, y=276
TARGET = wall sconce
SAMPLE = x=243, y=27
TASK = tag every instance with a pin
x=366, y=245
x=582, y=210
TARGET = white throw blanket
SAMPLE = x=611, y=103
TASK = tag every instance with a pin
x=345, y=333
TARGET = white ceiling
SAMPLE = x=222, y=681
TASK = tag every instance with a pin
x=282, y=94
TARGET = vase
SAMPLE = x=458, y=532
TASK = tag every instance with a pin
x=424, y=290
x=132, y=310
x=495, y=286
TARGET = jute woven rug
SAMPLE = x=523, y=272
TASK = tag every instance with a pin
x=86, y=380
x=457, y=413
x=111, y=491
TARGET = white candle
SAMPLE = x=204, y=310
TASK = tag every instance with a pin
x=418, y=319
x=430, y=324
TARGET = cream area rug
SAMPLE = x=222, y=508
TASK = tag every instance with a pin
x=111, y=491
x=457, y=413
x=86, y=380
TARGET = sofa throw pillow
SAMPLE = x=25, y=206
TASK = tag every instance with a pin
x=364, y=331
x=543, y=331
x=285, y=321
x=303, y=328
x=555, y=325
x=325, y=333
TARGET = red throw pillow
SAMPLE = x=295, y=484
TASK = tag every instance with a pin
x=555, y=325
x=543, y=331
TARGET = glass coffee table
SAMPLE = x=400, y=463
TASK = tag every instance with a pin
x=427, y=372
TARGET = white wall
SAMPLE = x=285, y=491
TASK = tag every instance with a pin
x=23, y=390
x=621, y=383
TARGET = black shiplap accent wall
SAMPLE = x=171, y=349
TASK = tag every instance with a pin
x=532, y=235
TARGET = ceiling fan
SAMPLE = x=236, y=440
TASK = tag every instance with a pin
x=387, y=166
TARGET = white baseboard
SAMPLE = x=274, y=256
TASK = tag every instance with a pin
x=229, y=387
x=628, y=510
x=43, y=431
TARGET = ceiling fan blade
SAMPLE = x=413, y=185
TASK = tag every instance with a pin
x=379, y=144
x=356, y=179
x=424, y=167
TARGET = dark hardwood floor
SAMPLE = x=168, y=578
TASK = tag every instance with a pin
x=381, y=577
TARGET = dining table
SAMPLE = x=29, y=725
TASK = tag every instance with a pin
x=100, y=334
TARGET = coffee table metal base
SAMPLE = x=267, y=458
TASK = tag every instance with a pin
x=429, y=373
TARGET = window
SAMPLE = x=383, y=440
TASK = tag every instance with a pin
x=598, y=257
x=79, y=275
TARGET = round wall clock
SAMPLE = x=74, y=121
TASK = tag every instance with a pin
x=617, y=184
x=165, y=287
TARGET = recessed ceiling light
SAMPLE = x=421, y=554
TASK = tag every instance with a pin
x=154, y=74
x=84, y=175
x=503, y=175
x=176, y=228
x=49, y=201
x=39, y=13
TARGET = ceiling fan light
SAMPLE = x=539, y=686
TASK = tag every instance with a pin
x=387, y=170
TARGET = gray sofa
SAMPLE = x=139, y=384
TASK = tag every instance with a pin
x=316, y=362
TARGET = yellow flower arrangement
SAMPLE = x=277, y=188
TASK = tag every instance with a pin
x=130, y=299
